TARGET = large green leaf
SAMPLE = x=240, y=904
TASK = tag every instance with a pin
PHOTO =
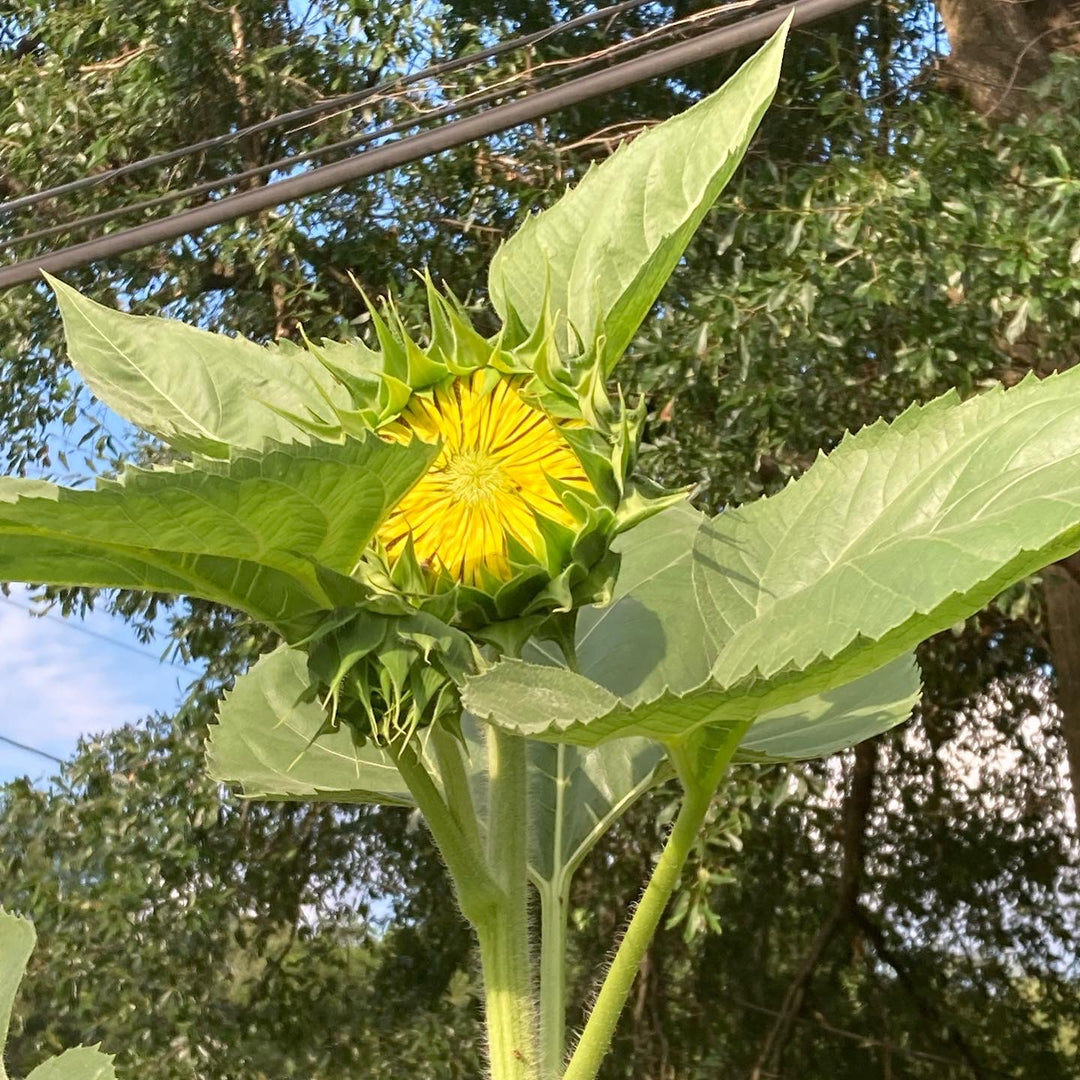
x=273, y=534
x=577, y=793
x=196, y=390
x=79, y=1063
x=835, y=719
x=904, y=530
x=602, y=253
x=16, y=944
x=272, y=738
x=274, y=741
x=17, y=939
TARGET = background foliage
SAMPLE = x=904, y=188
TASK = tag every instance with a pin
x=907, y=909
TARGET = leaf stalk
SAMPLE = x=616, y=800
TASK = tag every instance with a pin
x=699, y=786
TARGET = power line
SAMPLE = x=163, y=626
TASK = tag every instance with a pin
x=350, y=100
x=144, y=653
x=31, y=749
x=414, y=148
x=353, y=141
x=467, y=102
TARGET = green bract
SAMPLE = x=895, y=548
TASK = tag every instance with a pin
x=575, y=566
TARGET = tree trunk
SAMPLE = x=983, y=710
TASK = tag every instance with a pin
x=1061, y=585
x=998, y=49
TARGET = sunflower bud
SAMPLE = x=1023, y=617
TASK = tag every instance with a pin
x=513, y=521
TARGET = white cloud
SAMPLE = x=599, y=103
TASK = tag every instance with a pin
x=57, y=684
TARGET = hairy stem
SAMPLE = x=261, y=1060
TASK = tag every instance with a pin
x=477, y=889
x=554, y=901
x=504, y=930
x=448, y=754
x=600, y=1027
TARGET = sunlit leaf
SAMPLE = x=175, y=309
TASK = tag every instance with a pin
x=902, y=532
x=196, y=390
x=17, y=939
x=16, y=944
x=270, y=534
x=275, y=742
x=80, y=1063
x=605, y=249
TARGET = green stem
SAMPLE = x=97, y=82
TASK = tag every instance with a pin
x=554, y=903
x=504, y=932
x=478, y=892
x=600, y=1027
x=448, y=753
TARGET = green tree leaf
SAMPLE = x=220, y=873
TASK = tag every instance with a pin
x=198, y=391
x=17, y=939
x=899, y=534
x=274, y=534
x=602, y=253
x=275, y=742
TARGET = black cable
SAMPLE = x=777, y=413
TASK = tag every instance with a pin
x=344, y=100
x=31, y=749
x=414, y=148
x=361, y=139
x=471, y=101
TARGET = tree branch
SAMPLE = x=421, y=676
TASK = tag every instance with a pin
x=857, y=806
x=921, y=1001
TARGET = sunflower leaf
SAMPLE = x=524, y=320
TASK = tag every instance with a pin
x=904, y=530
x=602, y=253
x=198, y=391
x=17, y=940
x=79, y=1063
x=273, y=739
x=274, y=534
x=577, y=794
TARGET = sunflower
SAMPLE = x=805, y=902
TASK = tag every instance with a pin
x=488, y=485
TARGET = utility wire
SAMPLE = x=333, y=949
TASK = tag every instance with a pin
x=350, y=100
x=31, y=749
x=468, y=101
x=414, y=148
x=144, y=653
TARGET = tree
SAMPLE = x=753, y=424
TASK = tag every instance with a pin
x=194, y=935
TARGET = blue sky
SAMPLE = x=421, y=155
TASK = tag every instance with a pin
x=59, y=683
x=65, y=678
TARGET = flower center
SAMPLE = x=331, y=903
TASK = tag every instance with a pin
x=490, y=485
x=474, y=476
